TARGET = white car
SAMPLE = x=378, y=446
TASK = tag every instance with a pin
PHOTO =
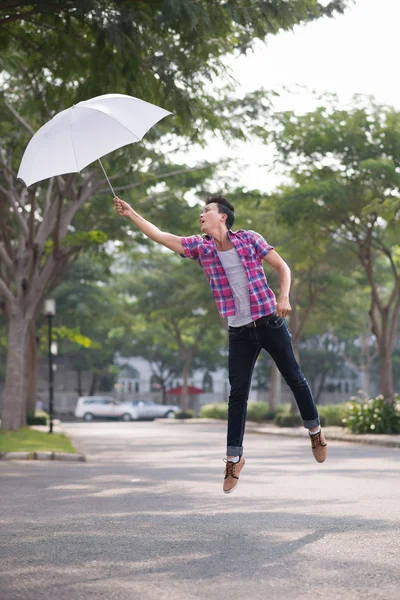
x=106, y=407
x=147, y=409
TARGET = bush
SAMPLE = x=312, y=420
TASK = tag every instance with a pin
x=332, y=414
x=288, y=420
x=293, y=420
x=372, y=416
x=214, y=411
x=184, y=414
x=35, y=420
x=259, y=411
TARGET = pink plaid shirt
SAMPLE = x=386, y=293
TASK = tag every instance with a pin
x=251, y=248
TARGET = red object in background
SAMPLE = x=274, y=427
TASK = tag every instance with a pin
x=191, y=390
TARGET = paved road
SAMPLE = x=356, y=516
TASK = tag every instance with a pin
x=145, y=519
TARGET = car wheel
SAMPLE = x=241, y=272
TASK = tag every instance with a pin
x=170, y=414
x=88, y=417
x=126, y=417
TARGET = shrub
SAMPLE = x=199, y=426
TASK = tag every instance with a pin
x=214, y=411
x=259, y=411
x=184, y=414
x=34, y=420
x=288, y=420
x=293, y=420
x=332, y=414
x=372, y=416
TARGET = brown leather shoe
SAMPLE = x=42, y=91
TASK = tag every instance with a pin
x=319, y=446
x=232, y=472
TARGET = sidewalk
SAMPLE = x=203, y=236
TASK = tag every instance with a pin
x=331, y=433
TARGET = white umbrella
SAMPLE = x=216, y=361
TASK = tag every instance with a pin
x=76, y=137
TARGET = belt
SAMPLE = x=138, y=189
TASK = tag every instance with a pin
x=260, y=321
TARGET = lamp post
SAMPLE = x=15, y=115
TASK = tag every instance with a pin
x=50, y=311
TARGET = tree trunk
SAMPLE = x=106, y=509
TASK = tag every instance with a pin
x=184, y=395
x=386, y=375
x=14, y=408
x=93, y=384
x=364, y=374
x=31, y=369
x=164, y=393
x=79, y=382
x=274, y=395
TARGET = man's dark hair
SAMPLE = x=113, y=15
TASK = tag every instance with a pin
x=224, y=207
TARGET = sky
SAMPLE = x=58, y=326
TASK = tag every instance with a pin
x=356, y=53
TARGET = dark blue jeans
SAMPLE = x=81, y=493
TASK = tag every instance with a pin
x=245, y=345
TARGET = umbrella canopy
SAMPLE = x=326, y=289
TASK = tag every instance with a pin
x=192, y=391
x=76, y=137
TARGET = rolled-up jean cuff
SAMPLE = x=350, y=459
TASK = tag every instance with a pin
x=311, y=424
x=234, y=451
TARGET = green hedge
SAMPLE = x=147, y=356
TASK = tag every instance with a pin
x=34, y=420
x=373, y=416
x=256, y=411
x=259, y=412
x=184, y=414
x=293, y=420
x=288, y=420
x=214, y=411
x=333, y=414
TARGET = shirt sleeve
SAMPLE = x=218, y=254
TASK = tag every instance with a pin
x=191, y=246
x=261, y=246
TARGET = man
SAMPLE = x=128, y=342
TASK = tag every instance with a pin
x=232, y=263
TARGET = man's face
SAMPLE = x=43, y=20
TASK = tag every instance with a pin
x=210, y=218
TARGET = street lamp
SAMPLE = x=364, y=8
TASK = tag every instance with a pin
x=50, y=311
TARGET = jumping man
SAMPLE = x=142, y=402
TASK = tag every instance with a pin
x=232, y=263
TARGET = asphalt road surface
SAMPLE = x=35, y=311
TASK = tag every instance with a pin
x=145, y=519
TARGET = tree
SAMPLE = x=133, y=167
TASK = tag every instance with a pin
x=314, y=261
x=89, y=315
x=173, y=296
x=51, y=56
x=145, y=339
x=345, y=168
x=323, y=358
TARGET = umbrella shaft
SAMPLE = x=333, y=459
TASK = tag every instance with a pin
x=108, y=181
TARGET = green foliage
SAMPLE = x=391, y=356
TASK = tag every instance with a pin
x=332, y=414
x=373, y=416
x=346, y=184
x=256, y=411
x=288, y=420
x=214, y=411
x=35, y=420
x=161, y=50
x=282, y=409
x=259, y=412
x=185, y=414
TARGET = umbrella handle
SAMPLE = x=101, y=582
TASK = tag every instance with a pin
x=108, y=181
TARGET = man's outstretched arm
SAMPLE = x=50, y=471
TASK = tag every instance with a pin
x=276, y=262
x=173, y=242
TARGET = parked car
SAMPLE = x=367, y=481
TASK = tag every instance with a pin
x=147, y=409
x=105, y=407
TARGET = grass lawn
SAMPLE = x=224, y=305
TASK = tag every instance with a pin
x=30, y=440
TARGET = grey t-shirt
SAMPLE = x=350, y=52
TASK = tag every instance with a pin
x=239, y=284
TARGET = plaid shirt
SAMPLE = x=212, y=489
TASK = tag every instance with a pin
x=251, y=248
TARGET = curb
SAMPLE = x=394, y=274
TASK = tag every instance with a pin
x=332, y=433
x=42, y=456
